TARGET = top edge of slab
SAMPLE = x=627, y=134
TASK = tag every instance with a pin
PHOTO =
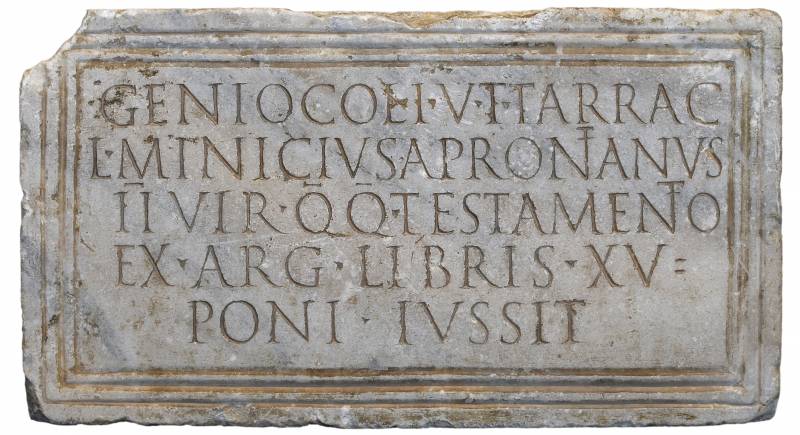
x=546, y=20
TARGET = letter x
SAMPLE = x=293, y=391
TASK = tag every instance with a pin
x=154, y=265
x=601, y=263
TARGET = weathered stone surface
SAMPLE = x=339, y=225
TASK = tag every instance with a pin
x=261, y=217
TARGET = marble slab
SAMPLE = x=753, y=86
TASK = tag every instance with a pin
x=567, y=217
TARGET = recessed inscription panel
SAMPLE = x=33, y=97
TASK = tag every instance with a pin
x=528, y=215
x=262, y=217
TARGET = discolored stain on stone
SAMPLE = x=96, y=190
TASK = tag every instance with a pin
x=567, y=217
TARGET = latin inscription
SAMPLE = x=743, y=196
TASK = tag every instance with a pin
x=520, y=215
